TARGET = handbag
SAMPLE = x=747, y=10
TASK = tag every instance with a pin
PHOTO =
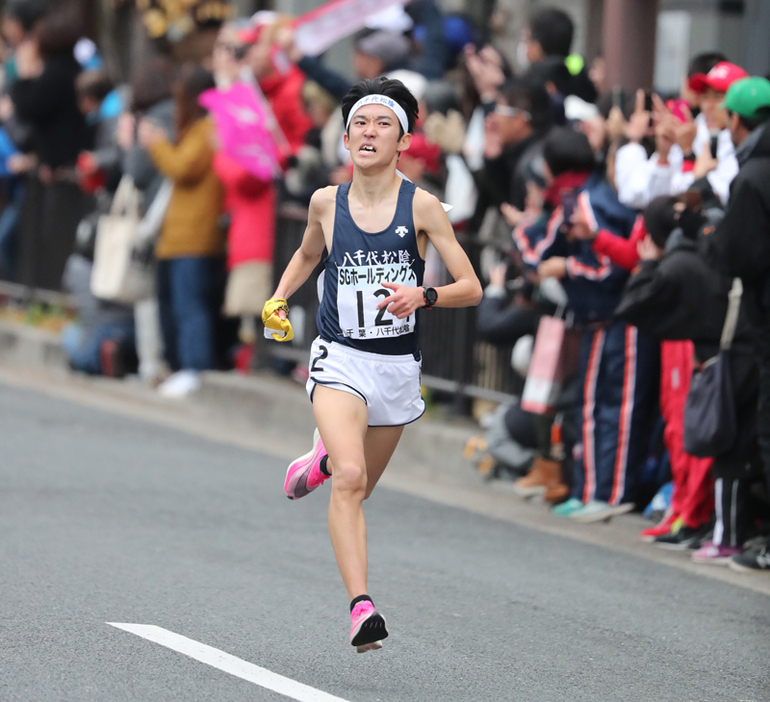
x=710, y=424
x=554, y=362
x=121, y=273
x=152, y=222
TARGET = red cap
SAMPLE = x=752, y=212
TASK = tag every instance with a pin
x=256, y=23
x=719, y=78
x=250, y=35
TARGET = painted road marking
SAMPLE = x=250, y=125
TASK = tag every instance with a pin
x=229, y=664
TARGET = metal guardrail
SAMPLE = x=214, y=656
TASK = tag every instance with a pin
x=454, y=360
x=25, y=294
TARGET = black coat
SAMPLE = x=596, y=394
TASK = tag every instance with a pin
x=48, y=102
x=679, y=298
x=740, y=245
x=499, y=322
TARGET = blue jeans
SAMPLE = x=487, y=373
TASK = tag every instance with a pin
x=187, y=297
x=84, y=351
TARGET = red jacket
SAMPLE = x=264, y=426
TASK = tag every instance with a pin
x=284, y=93
x=251, y=204
x=622, y=252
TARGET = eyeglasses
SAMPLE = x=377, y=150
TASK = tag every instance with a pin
x=508, y=111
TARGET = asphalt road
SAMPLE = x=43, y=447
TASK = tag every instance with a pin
x=104, y=518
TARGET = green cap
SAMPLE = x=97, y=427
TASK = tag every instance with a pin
x=748, y=97
x=574, y=63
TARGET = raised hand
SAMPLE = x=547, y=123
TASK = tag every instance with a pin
x=639, y=123
x=486, y=69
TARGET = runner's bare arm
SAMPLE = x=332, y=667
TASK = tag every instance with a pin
x=309, y=253
x=430, y=218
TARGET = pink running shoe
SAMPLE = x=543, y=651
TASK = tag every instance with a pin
x=712, y=554
x=367, y=628
x=304, y=474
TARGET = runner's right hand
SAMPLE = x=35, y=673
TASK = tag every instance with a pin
x=276, y=320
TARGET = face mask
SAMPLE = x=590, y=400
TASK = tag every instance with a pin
x=521, y=56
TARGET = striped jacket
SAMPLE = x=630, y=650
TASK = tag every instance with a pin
x=593, y=284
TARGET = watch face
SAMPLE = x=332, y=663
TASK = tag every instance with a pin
x=431, y=295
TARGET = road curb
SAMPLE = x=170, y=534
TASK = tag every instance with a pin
x=31, y=346
x=430, y=448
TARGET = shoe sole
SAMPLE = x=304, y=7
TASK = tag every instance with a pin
x=604, y=516
x=650, y=539
x=711, y=561
x=739, y=568
x=295, y=467
x=533, y=491
x=686, y=546
x=374, y=646
x=368, y=635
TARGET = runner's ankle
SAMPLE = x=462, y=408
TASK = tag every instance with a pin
x=360, y=598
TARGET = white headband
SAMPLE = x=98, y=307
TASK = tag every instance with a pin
x=380, y=100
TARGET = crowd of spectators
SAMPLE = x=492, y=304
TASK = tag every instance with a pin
x=627, y=215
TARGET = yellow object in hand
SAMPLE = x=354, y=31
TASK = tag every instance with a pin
x=276, y=322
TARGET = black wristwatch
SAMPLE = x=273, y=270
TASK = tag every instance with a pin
x=430, y=296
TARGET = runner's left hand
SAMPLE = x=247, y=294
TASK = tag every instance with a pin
x=404, y=300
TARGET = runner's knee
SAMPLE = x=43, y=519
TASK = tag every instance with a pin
x=349, y=476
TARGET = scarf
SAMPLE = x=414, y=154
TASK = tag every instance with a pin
x=567, y=181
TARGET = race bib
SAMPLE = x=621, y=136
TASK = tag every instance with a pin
x=360, y=290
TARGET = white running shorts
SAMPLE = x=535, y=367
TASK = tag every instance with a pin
x=389, y=385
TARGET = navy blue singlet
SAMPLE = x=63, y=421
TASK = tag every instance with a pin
x=354, y=271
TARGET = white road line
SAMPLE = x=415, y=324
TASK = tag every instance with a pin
x=229, y=664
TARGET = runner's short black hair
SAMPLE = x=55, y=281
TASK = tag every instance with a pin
x=394, y=89
x=568, y=150
x=552, y=28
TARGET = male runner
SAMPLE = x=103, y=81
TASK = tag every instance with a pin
x=365, y=364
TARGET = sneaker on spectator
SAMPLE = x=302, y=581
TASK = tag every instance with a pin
x=713, y=554
x=567, y=508
x=599, y=511
x=180, y=384
x=661, y=529
x=683, y=538
x=751, y=561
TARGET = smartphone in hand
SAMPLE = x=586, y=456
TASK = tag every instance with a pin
x=568, y=205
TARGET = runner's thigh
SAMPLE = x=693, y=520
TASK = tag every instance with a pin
x=341, y=418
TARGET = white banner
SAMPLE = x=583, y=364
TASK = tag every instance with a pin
x=317, y=30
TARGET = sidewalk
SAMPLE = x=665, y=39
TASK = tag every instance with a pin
x=273, y=404
x=272, y=415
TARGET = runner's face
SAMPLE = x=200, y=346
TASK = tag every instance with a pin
x=373, y=136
